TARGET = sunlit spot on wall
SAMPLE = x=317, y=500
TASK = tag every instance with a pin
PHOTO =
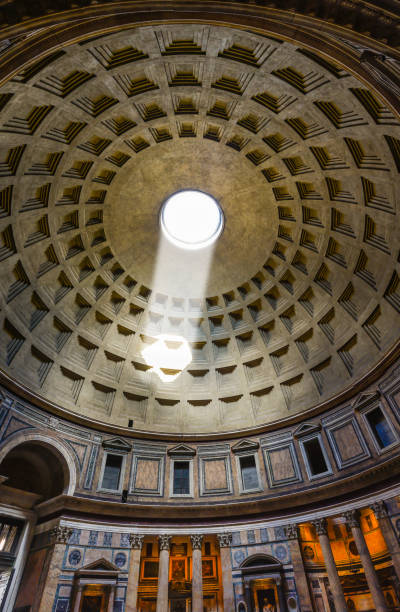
x=168, y=356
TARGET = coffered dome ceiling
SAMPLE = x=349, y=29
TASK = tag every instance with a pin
x=300, y=297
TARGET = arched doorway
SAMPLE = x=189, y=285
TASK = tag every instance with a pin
x=262, y=582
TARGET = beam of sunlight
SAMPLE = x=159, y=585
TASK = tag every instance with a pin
x=194, y=224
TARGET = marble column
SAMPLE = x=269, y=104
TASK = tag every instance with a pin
x=78, y=598
x=59, y=537
x=111, y=598
x=300, y=576
x=136, y=542
x=197, y=573
x=352, y=518
x=388, y=533
x=163, y=573
x=333, y=576
x=225, y=540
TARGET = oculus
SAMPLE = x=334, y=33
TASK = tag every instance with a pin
x=191, y=219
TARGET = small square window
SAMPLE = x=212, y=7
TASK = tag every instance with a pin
x=316, y=460
x=380, y=427
x=249, y=472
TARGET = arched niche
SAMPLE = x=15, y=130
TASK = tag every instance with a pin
x=38, y=465
x=255, y=561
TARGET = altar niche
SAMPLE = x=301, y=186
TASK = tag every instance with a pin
x=180, y=575
x=262, y=582
x=94, y=587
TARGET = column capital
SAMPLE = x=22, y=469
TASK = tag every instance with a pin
x=352, y=518
x=197, y=540
x=291, y=531
x=321, y=526
x=164, y=541
x=224, y=540
x=379, y=509
x=136, y=540
x=60, y=534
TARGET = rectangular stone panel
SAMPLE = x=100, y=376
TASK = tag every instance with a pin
x=215, y=474
x=282, y=465
x=147, y=473
x=346, y=439
x=347, y=442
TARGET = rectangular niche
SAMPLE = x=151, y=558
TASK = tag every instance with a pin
x=215, y=470
x=345, y=438
x=281, y=461
x=148, y=467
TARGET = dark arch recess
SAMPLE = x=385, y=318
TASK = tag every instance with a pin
x=256, y=560
x=36, y=467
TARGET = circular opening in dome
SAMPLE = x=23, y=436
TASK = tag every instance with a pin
x=191, y=219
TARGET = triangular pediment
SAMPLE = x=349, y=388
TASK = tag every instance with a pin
x=306, y=428
x=102, y=565
x=117, y=444
x=182, y=449
x=245, y=445
x=364, y=399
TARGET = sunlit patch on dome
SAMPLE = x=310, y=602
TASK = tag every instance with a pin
x=168, y=356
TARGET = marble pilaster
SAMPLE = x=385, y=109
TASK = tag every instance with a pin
x=59, y=537
x=300, y=576
x=225, y=540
